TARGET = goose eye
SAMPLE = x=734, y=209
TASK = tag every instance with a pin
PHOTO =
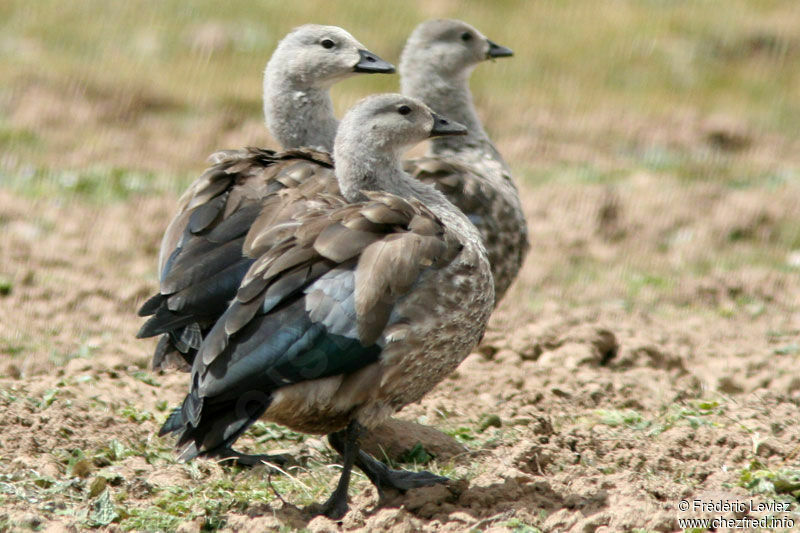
x=466, y=36
x=404, y=110
x=327, y=43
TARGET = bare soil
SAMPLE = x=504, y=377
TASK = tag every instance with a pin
x=598, y=400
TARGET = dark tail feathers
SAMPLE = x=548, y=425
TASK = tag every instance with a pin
x=206, y=425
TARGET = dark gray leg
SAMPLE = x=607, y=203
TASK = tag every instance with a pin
x=224, y=453
x=336, y=506
x=384, y=477
x=228, y=455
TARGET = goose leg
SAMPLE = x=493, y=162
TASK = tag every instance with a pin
x=336, y=506
x=228, y=455
x=224, y=453
x=384, y=477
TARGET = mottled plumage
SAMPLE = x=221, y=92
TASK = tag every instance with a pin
x=200, y=262
x=355, y=305
x=435, y=67
x=494, y=209
x=206, y=265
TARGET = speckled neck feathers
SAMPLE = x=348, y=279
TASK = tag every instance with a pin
x=297, y=115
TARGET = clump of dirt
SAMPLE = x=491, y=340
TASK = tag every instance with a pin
x=397, y=439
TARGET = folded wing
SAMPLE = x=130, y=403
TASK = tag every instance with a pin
x=315, y=303
x=201, y=263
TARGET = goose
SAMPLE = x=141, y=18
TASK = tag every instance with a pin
x=435, y=67
x=356, y=304
x=199, y=267
x=470, y=172
x=206, y=267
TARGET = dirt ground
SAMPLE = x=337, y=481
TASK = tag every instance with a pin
x=601, y=404
x=646, y=355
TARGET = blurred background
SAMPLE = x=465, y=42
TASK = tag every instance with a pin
x=656, y=144
x=596, y=89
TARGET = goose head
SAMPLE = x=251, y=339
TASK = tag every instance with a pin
x=453, y=46
x=392, y=123
x=315, y=56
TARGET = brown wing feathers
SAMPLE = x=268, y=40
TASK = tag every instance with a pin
x=387, y=241
x=302, y=230
x=202, y=248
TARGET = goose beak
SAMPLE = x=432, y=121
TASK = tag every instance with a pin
x=495, y=50
x=372, y=64
x=443, y=126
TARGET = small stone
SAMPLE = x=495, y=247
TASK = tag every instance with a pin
x=51, y=470
x=508, y=357
x=316, y=444
x=560, y=393
x=322, y=524
x=728, y=386
x=27, y=520
x=793, y=259
x=189, y=527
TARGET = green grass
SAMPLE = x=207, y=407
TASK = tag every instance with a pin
x=60, y=358
x=518, y=526
x=96, y=489
x=269, y=432
x=625, y=418
x=98, y=185
x=779, y=483
x=11, y=137
x=210, y=501
x=692, y=413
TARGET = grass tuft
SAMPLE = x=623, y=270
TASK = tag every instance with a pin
x=778, y=483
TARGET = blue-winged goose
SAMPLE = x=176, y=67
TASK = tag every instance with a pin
x=435, y=67
x=355, y=306
x=200, y=263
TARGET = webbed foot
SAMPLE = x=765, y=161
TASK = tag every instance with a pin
x=385, y=478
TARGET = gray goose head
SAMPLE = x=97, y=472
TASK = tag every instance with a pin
x=453, y=46
x=305, y=64
x=317, y=56
x=393, y=122
x=375, y=133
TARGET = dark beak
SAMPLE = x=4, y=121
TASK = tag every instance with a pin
x=495, y=50
x=370, y=63
x=443, y=126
